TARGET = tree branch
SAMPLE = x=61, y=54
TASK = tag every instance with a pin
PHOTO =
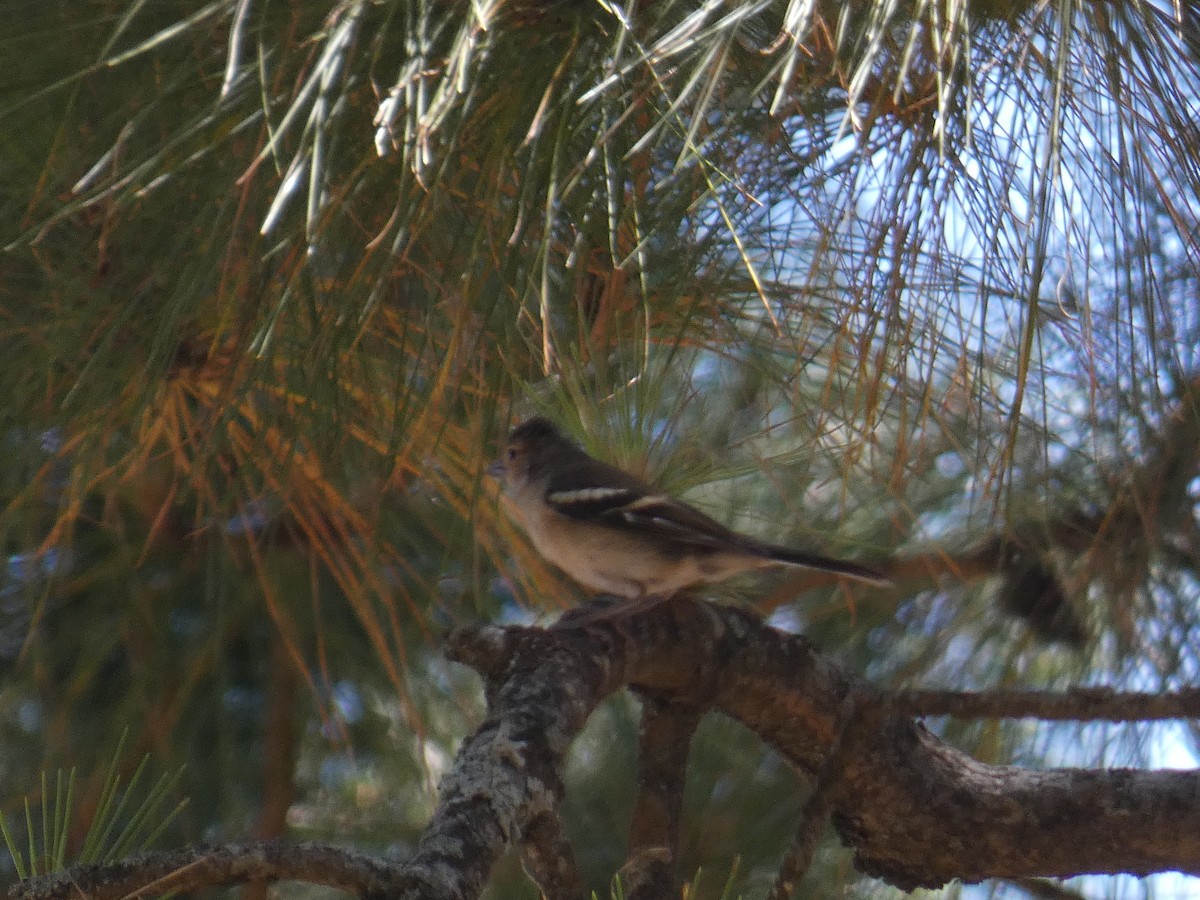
x=205, y=866
x=664, y=741
x=819, y=806
x=549, y=860
x=915, y=811
x=1077, y=704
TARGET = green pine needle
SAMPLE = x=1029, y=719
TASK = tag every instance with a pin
x=123, y=822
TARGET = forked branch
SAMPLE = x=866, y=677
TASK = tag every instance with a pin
x=915, y=811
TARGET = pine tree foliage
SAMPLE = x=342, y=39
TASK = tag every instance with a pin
x=905, y=281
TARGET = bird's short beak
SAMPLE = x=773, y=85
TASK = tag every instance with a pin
x=496, y=469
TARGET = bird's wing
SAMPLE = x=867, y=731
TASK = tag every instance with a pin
x=596, y=492
x=609, y=496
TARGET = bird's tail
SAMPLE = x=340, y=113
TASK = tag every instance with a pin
x=788, y=556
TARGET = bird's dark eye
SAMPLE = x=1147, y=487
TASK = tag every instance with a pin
x=512, y=452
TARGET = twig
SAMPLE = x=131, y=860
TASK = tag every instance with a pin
x=1078, y=704
x=815, y=815
x=206, y=866
x=548, y=859
x=664, y=740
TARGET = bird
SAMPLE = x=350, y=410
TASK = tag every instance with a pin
x=617, y=535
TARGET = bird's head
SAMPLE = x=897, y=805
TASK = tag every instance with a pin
x=531, y=446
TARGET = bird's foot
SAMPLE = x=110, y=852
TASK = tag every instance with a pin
x=609, y=609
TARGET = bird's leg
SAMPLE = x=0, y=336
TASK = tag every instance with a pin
x=592, y=611
x=611, y=609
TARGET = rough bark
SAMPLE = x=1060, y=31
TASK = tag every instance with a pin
x=204, y=866
x=915, y=811
x=664, y=741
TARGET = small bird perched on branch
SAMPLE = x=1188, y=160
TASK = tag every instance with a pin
x=613, y=533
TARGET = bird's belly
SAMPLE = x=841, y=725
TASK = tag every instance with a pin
x=614, y=563
x=634, y=575
x=642, y=576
